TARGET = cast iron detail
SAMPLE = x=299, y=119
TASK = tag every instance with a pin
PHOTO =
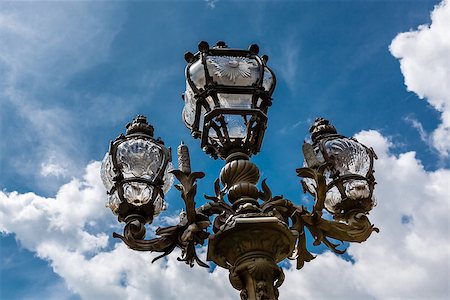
x=188, y=233
x=252, y=230
x=191, y=231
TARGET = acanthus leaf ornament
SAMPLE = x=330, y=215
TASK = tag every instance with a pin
x=228, y=93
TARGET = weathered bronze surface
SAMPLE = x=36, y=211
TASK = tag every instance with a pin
x=253, y=230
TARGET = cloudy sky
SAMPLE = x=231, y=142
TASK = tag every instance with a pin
x=72, y=74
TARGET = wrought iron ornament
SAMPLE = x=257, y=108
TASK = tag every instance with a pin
x=251, y=229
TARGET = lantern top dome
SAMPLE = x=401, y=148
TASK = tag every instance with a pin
x=140, y=125
x=321, y=127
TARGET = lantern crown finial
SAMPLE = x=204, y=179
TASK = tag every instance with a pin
x=320, y=127
x=221, y=44
x=140, y=125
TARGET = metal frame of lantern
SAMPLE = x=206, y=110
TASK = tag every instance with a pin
x=255, y=116
x=252, y=229
x=138, y=129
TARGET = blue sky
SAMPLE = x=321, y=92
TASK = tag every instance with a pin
x=74, y=73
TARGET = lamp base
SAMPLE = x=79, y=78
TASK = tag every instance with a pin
x=250, y=247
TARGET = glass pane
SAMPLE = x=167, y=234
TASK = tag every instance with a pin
x=160, y=205
x=236, y=126
x=197, y=74
x=140, y=158
x=357, y=189
x=267, y=79
x=348, y=156
x=231, y=70
x=332, y=198
x=113, y=202
x=168, y=178
x=107, y=172
x=137, y=193
x=235, y=100
x=310, y=185
x=189, y=107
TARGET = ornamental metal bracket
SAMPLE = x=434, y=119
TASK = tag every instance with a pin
x=227, y=97
x=188, y=233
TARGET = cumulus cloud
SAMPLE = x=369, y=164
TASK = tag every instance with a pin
x=408, y=259
x=424, y=56
x=72, y=232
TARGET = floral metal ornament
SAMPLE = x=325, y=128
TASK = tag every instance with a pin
x=248, y=229
x=252, y=230
x=232, y=67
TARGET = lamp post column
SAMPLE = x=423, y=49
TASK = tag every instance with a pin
x=252, y=241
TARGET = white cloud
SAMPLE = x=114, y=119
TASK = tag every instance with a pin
x=408, y=259
x=53, y=168
x=287, y=62
x=211, y=3
x=43, y=45
x=419, y=127
x=424, y=56
x=69, y=232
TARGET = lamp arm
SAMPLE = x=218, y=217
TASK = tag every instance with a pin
x=188, y=233
x=357, y=227
x=321, y=186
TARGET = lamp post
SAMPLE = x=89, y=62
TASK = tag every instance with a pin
x=228, y=93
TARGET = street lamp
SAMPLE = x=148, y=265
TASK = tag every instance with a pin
x=228, y=93
x=135, y=172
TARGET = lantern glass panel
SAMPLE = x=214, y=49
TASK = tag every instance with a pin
x=140, y=158
x=348, y=156
x=107, y=172
x=267, y=79
x=197, y=75
x=233, y=70
x=189, y=107
x=159, y=205
x=235, y=100
x=137, y=193
x=235, y=125
x=114, y=202
x=168, y=178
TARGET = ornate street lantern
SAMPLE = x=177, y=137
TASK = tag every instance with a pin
x=135, y=172
x=347, y=167
x=228, y=93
